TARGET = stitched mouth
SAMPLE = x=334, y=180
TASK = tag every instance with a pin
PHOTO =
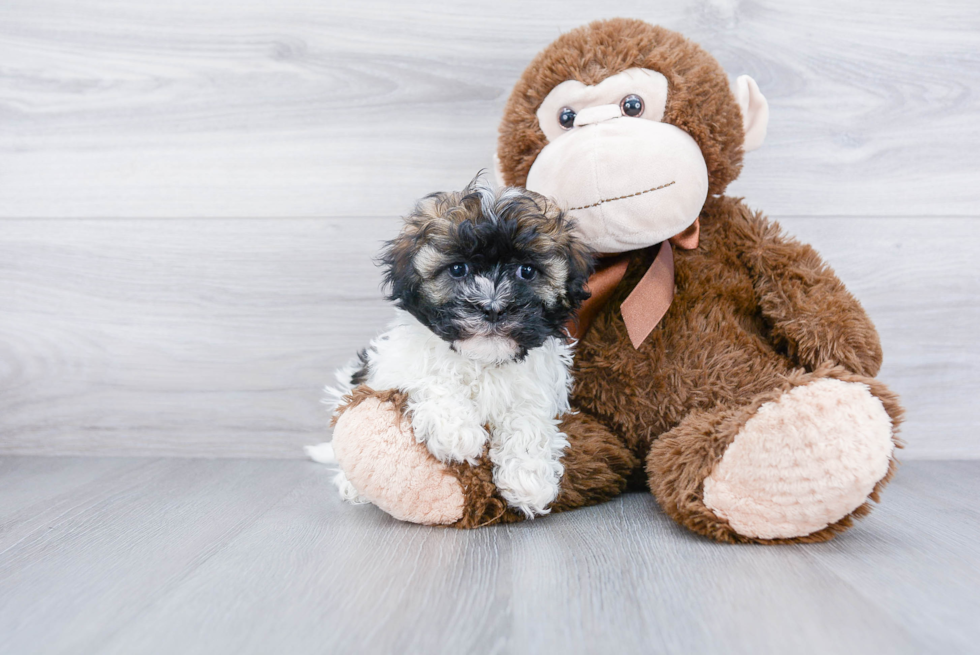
x=630, y=195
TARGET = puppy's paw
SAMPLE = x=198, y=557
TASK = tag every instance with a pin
x=529, y=485
x=465, y=443
x=347, y=490
x=451, y=436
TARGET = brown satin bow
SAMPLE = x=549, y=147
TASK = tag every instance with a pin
x=650, y=298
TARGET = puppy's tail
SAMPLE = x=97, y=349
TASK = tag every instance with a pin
x=321, y=453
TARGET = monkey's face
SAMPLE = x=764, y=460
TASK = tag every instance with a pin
x=629, y=127
x=492, y=273
x=630, y=179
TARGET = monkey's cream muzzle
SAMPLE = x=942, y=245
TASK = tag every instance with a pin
x=629, y=183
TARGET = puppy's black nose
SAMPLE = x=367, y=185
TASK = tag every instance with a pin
x=493, y=315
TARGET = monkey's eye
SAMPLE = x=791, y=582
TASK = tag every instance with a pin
x=458, y=270
x=632, y=105
x=566, y=118
x=527, y=272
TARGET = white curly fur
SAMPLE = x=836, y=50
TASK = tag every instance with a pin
x=456, y=390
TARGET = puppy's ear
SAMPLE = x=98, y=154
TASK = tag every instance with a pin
x=580, y=258
x=402, y=282
x=581, y=264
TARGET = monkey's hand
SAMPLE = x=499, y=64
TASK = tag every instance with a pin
x=811, y=314
x=450, y=428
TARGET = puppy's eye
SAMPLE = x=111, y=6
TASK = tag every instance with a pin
x=632, y=105
x=458, y=270
x=566, y=118
x=527, y=272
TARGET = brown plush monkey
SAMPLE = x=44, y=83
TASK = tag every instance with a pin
x=721, y=364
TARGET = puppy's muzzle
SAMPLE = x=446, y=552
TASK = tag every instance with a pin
x=493, y=315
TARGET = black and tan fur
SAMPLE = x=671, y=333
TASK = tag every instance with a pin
x=492, y=233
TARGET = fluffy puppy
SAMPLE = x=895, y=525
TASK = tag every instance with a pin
x=484, y=282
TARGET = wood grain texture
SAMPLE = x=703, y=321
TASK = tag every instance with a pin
x=189, y=337
x=215, y=337
x=120, y=543
x=34, y=492
x=227, y=556
x=303, y=108
x=934, y=504
x=153, y=305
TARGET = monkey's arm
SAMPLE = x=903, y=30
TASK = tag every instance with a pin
x=808, y=308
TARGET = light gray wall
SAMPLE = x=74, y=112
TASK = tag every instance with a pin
x=191, y=193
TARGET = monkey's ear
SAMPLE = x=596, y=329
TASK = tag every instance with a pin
x=498, y=174
x=755, y=112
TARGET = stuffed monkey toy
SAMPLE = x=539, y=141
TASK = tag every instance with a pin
x=720, y=364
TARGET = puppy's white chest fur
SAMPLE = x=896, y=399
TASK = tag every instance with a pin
x=459, y=404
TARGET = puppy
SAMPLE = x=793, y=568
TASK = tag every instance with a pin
x=484, y=282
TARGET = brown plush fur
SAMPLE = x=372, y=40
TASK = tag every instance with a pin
x=755, y=314
x=739, y=323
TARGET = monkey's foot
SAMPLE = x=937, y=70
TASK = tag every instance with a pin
x=803, y=461
x=795, y=464
x=380, y=459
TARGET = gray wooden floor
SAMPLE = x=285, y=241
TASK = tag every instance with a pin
x=151, y=555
